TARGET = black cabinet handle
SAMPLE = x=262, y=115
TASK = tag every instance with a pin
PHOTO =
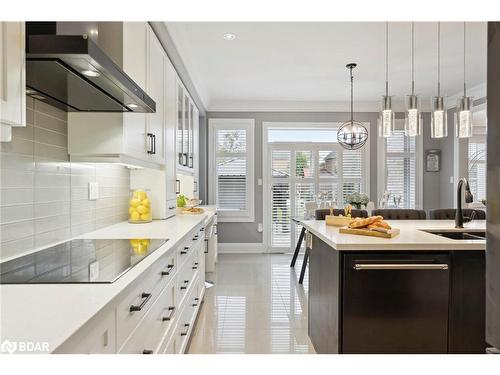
x=154, y=143
x=171, y=207
x=195, y=238
x=145, y=298
x=195, y=266
x=172, y=312
x=169, y=269
x=206, y=246
x=185, y=250
x=196, y=300
x=397, y=266
x=195, y=188
x=178, y=187
x=147, y=351
x=202, y=229
x=186, y=331
x=151, y=143
x=186, y=282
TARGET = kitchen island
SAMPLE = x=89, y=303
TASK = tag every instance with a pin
x=418, y=292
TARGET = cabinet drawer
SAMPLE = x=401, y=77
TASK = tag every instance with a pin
x=159, y=319
x=189, y=246
x=140, y=296
x=171, y=206
x=186, y=277
x=171, y=344
x=98, y=336
x=187, y=318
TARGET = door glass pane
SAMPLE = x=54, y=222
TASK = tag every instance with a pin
x=328, y=191
x=328, y=164
x=280, y=163
x=180, y=120
x=351, y=163
x=304, y=192
x=304, y=164
x=349, y=188
x=185, y=133
x=280, y=215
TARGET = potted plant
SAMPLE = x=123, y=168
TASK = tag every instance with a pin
x=357, y=200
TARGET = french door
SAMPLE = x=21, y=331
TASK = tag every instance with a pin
x=297, y=174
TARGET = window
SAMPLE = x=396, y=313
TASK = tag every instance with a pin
x=304, y=163
x=231, y=183
x=477, y=170
x=400, y=170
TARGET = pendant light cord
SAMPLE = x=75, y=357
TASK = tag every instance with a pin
x=439, y=59
x=352, y=79
x=387, y=59
x=465, y=88
x=413, y=58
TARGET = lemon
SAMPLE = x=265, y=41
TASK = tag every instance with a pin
x=145, y=217
x=141, y=209
x=135, y=216
x=131, y=210
x=145, y=202
x=145, y=242
x=134, y=202
x=141, y=194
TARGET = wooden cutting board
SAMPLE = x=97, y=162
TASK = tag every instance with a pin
x=372, y=233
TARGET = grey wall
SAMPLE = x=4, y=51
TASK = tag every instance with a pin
x=431, y=180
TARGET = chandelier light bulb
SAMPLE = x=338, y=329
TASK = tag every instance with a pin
x=439, y=123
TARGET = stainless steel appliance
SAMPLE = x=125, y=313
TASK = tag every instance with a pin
x=79, y=261
x=66, y=68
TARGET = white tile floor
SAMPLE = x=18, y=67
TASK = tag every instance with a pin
x=256, y=306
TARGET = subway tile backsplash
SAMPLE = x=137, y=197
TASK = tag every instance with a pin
x=43, y=196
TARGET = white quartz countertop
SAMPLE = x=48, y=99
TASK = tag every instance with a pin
x=51, y=313
x=411, y=236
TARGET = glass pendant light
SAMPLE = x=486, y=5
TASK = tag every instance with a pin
x=386, y=116
x=352, y=134
x=463, y=113
x=413, y=116
x=439, y=124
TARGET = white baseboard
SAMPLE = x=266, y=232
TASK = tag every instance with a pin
x=240, y=248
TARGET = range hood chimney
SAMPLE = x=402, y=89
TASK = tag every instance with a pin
x=66, y=68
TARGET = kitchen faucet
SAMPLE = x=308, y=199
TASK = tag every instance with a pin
x=459, y=217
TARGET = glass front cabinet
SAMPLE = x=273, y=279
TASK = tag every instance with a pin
x=186, y=120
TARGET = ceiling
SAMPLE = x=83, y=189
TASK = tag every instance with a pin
x=301, y=65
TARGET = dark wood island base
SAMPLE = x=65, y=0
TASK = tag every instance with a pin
x=396, y=301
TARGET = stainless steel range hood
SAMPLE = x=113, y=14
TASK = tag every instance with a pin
x=72, y=73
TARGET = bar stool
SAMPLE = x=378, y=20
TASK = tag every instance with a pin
x=400, y=214
x=449, y=214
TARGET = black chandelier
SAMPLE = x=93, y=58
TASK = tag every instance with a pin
x=352, y=134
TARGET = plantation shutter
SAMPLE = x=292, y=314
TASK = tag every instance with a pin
x=477, y=170
x=231, y=169
x=400, y=169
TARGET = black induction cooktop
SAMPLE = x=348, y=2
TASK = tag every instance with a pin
x=79, y=261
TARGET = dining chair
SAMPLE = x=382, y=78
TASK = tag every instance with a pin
x=400, y=214
x=449, y=214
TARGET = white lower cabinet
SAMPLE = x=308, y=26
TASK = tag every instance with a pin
x=148, y=335
x=156, y=313
x=98, y=336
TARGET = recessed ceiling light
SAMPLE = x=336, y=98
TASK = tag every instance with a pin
x=90, y=73
x=132, y=105
x=229, y=36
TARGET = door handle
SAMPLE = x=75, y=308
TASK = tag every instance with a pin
x=172, y=312
x=147, y=351
x=145, y=298
x=186, y=331
x=154, y=143
x=169, y=269
x=150, y=136
x=395, y=266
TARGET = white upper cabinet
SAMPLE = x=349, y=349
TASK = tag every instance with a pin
x=156, y=89
x=12, y=75
x=170, y=87
x=132, y=138
x=187, y=118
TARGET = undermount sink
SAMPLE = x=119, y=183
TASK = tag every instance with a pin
x=458, y=235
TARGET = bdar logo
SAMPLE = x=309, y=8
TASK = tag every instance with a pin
x=8, y=347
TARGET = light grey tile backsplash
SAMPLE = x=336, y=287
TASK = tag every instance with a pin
x=44, y=197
